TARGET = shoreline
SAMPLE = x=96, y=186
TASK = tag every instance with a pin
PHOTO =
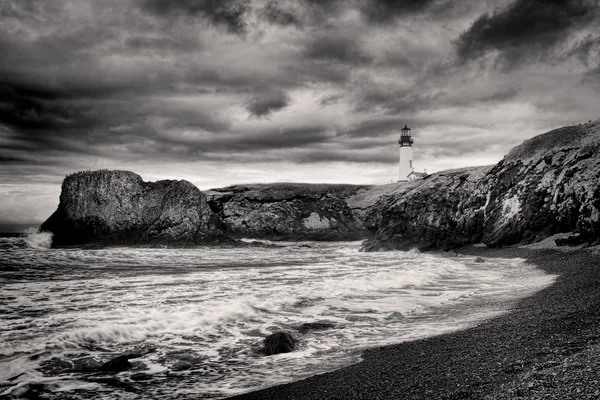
x=548, y=345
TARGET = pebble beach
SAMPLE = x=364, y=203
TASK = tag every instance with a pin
x=546, y=347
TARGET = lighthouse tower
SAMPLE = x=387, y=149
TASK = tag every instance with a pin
x=406, y=159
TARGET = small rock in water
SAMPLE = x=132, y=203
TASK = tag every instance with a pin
x=56, y=365
x=140, y=376
x=279, y=342
x=314, y=326
x=479, y=260
x=86, y=364
x=181, y=366
x=117, y=364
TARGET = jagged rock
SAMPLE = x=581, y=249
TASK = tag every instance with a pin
x=279, y=342
x=117, y=364
x=442, y=212
x=288, y=211
x=118, y=207
x=55, y=366
x=547, y=185
x=314, y=326
x=86, y=364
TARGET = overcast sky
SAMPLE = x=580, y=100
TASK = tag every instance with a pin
x=235, y=91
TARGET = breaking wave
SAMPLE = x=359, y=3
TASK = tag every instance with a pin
x=37, y=240
x=210, y=308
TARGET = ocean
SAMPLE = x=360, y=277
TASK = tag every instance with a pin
x=198, y=316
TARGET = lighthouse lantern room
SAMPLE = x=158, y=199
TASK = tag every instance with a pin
x=406, y=159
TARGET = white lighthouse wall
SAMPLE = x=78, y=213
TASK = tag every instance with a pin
x=405, y=162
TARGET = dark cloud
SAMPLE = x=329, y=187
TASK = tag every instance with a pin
x=501, y=95
x=330, y=100
x=337, y=48
x=393, y=101
x=587, y=51
x=265, y=104
x=379, y=156
x=8, y=159
x=388, y=10
x=278, y=15
x=526, y=29
x=230, y=14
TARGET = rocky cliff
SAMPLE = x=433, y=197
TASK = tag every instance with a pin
x=547, y=185
x=443, y=210
x=118, y=207
x=292, y=211
x=550, y=184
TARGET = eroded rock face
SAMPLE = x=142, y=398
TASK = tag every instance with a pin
x=442, y=211
x=550, y=184
x=288, y=211
x=118, y=207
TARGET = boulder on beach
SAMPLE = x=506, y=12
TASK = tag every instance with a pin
x=279, y=342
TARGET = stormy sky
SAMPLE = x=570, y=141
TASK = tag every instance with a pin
x=236, y=91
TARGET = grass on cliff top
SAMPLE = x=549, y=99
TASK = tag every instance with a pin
x=566, y=137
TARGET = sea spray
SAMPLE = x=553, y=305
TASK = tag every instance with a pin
x=36, y=239
x=209, y=308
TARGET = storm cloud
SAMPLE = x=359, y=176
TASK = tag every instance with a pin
x=233, y=91
x=526, y=29
x=265, y=104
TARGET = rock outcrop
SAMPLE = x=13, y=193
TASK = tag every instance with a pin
x=288, y=211
x=442, y=211
x=547, y=185
x=550, y=184
x=118, y=207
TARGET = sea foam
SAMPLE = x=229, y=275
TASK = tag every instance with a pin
x=212, y=307
x=37, y=240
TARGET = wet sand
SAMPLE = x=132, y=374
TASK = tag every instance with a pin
x=547, y=347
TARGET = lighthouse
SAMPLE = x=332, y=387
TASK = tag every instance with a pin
x=406, y=158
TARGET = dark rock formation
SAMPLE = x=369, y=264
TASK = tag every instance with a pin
x=545, y=186
x=288, y=211
x=442, y=211
x=279, y=342
x=117, y=364
x=118, y=207
x=314, y=326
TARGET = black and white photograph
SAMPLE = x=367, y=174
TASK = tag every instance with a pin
x=300, y=199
